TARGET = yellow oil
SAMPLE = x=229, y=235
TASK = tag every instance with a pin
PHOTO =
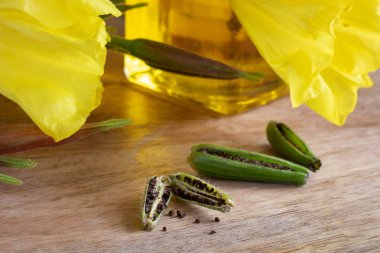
x=208, y=28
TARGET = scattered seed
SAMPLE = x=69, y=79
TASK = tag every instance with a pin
x=197, y=221
x=171, y=212
x=164, y=229
x=179, y=213
x=212, y=232
x=217, y=219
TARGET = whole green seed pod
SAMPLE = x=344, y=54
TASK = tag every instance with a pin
x=235, y=164
x=290, y=146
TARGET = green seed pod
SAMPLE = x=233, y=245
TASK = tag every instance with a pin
x=165, y=57
x=156, y=199
x=235, y=164
x=290, y=146
x=197, y=191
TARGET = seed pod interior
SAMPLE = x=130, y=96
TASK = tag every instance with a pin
x=195, y=190
x=157, y=197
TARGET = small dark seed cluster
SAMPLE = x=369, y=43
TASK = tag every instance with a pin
x=198, y=184
x=195, y=182
x=228, y=156
x=185, y=194
x=166, y=195
x=151, y=194
x=181, y=214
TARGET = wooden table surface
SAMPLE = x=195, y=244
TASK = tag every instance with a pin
x=86, y=196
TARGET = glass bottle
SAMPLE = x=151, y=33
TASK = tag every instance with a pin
x=208, y=28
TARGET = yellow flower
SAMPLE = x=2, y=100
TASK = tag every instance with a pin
x=52, y=55
x=322, y=49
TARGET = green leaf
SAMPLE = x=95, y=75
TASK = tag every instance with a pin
x=9, y=180
x=87, y=130
x=17, y=163
x=176, y=60
x=112, y=124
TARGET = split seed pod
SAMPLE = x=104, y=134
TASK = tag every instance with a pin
x=157, y=197
x=290, y=146
x=197, y=191
x=235, y=164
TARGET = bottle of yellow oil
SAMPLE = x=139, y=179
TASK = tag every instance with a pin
x=208, y=28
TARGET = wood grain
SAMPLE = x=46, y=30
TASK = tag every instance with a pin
x=86, y=196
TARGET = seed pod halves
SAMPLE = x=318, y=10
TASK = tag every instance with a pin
x=197, y=191
x=235, y=164
x=157, y=197
x=290, y=146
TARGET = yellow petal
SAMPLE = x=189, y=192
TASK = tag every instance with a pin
x=340, y=99
x=294, y=37
x=52, y=58
x=357, y=52
x=326, y=69
x=357, y=45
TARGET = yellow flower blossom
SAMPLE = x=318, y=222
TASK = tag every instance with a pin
x=52, y=55
x=322, y=49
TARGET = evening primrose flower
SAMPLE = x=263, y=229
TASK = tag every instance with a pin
x=322, y=49
x=52, y=55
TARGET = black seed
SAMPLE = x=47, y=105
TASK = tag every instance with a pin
x=150, y=199
x=243, y=159
x=217, y=219
x=160, y=207
x=164, y=229
x=171, y=212
x=153, y=182
x=196, y=182
x=197, y=221
x=202, y=186
x=179, y=213
x=210, y=190
x=212, y=232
